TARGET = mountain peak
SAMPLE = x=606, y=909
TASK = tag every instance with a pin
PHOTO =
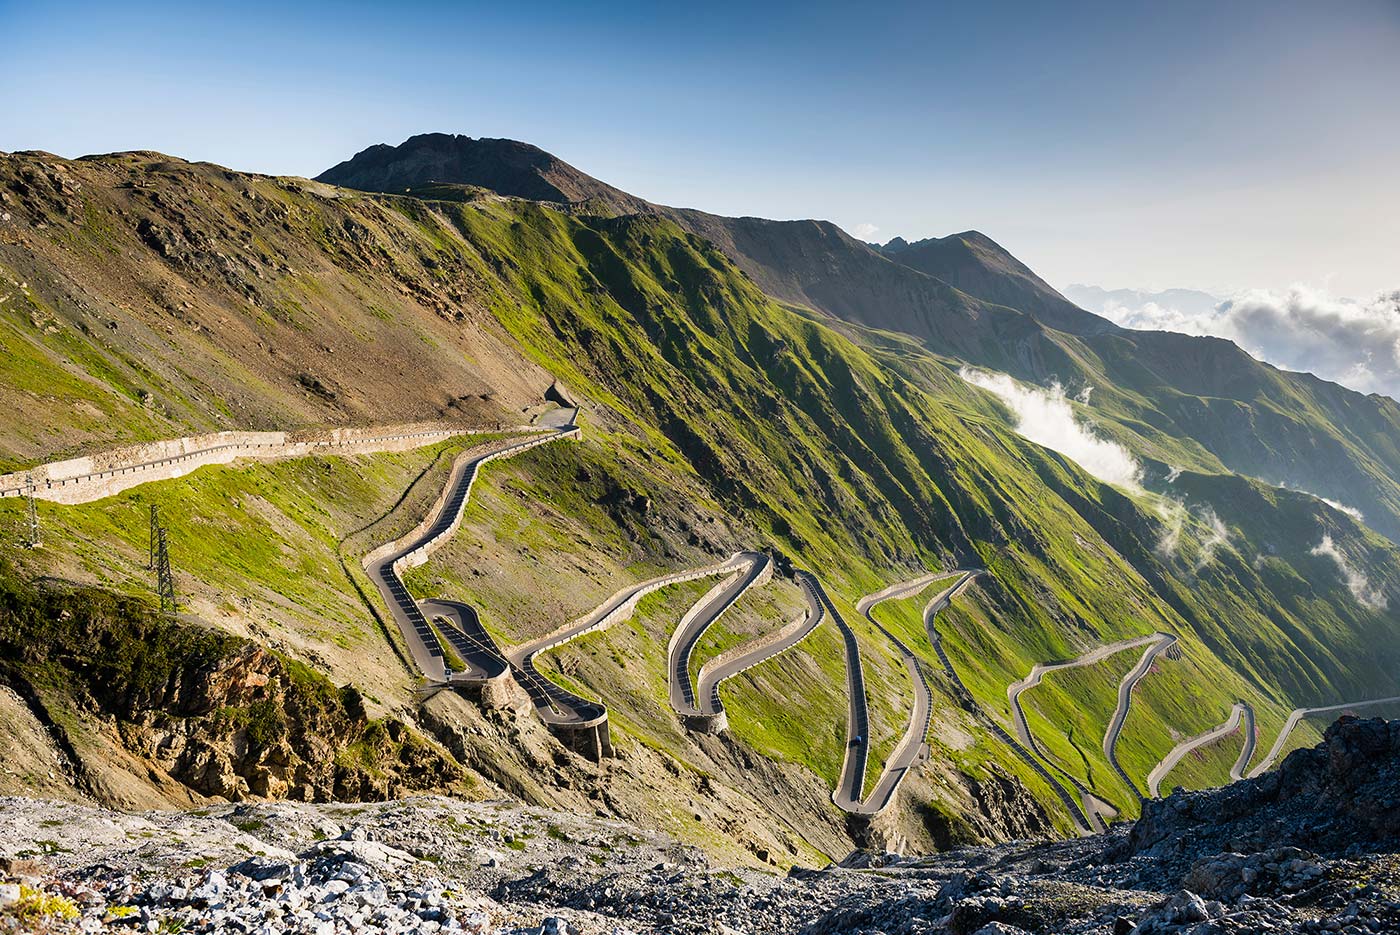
x=509, y=167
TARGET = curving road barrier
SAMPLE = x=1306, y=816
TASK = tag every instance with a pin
x=1239, y=712
x=1297, y=715
x=1165, y=641
x=107, y=473
x=912, y=747
x=750, y=569
x=385, y=564
x=731, y=662
x=969, y=702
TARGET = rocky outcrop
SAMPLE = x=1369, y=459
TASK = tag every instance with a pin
x=429, y=865
x=1341, y=795
x=221, y=716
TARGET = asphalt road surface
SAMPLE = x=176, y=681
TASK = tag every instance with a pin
x=1239, y=712
x=1125, y=700
x=729, y=664
x=748, y=568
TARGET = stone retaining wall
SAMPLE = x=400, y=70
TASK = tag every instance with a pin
x=93, y=477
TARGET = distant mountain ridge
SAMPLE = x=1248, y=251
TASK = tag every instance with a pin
x=966, y=297
x=1099, y=300
x=508, y=167
x=974, y=263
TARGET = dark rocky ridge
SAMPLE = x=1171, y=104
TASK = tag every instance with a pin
x=507, y=167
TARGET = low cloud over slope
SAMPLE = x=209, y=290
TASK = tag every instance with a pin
x=1354, y=343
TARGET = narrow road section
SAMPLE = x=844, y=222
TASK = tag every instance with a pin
x=557, y=705
x=1097, y=809
x=731, y=662
x=851, y=782
x=1297, y=715
x=749, y=569
x=1238, y=713
x=912, y=748
x=970, y=704
x=1165, y=641
x=385, y=564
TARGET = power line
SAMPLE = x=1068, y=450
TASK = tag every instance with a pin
x=154, y=535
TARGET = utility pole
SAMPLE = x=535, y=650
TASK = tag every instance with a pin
x=154, y=535
x=33, y=515
x=165, y=579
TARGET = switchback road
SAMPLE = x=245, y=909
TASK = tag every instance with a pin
x=749, y=569
x=912, y=746
x=741, y=658
x=1125, y=699
x=969, y=703
x=386, y=563
x=557, y=705
x=1297, y=715
x=1239, y=712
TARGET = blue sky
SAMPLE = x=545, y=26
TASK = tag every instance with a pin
x=1215, y=145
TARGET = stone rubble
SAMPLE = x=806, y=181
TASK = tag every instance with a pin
x=434, y=865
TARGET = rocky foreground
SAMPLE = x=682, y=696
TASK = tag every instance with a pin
x=1311, y=847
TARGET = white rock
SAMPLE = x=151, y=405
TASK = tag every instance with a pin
x=333, y=890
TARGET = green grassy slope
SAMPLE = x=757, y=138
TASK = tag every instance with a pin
x=716, y=419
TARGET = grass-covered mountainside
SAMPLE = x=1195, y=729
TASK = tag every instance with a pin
x=145, y=297
x=1190, y=401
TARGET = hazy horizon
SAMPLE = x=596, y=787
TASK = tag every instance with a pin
x=1215, y=147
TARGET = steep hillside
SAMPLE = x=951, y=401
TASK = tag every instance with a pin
x=714, y=419
x=977, y=265
x=965, y=297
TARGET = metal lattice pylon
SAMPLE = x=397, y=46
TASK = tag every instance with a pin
x=154, y=535
x=165, y=579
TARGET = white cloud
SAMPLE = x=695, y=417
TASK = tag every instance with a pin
x=1351, y=511
x=1209, y=530
x=1217, y=535
x=1356, y=344
x=1357, y=582
x=1046, y=418
x=865, y=231
x=1173, y=513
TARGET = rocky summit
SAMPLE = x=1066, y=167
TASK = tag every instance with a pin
x=1310, y=848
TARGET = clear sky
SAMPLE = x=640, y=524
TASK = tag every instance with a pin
x=1220, y=145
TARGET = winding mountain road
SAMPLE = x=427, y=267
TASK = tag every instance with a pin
x=912, y=747
x=461, y=627
x=1240, y=711
x=969, y=703
x=557, y=705
x=386, y=563
x=749, y=569
x=1125, y=699
x=1297, y=715
x=733, y=661
x=1096, y=808
x=851, y=782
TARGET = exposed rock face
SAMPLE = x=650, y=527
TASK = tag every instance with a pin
x=1341, y=795
x=221, y=716
x=508, y=167
x=430, y=865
